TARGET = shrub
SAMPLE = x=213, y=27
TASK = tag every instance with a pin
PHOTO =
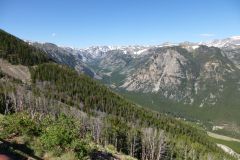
x=19, y=124
x=59, y=134
x=81, y=149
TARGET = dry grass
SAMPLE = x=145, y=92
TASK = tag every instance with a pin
x=19, y=72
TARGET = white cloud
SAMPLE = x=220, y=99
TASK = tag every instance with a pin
x=207, y=35
x=53, y=34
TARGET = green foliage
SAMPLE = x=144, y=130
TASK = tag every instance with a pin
x=19, y=124
x=56, y=135
x=60, y=133
x=81, y=148
x=17, y=51
x=117, y=129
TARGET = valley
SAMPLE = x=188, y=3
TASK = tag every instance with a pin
x=195, y=81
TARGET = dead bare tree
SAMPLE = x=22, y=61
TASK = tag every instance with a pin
x=97, y=126
x=132, y=140
x=153, y=144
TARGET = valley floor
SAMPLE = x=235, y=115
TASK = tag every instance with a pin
x=218, y=136
x=228, y=144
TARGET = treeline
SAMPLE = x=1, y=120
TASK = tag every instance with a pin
x=16, y=51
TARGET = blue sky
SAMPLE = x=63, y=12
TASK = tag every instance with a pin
x=83, y=23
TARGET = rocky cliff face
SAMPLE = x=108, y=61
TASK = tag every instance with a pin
x=166, y=71
x=198, y=77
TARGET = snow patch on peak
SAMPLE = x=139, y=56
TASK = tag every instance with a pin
x=235, y=37
x=141, y=51
x=195, y=47
x=228, y=42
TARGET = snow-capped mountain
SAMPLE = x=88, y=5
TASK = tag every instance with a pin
x=228, y=42
x=97, y=52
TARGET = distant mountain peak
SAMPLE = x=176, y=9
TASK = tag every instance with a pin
x=220, y=43
x=235, y=37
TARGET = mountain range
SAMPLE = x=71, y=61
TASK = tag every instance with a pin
x=197, y=81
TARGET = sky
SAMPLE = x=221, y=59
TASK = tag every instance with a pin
x=84, y=23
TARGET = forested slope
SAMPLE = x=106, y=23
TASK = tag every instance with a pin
x=17, y=51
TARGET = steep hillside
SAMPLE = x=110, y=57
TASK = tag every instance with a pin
x=63, y=112
x=17, y=51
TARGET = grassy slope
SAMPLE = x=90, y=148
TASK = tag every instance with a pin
x=232, y=144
